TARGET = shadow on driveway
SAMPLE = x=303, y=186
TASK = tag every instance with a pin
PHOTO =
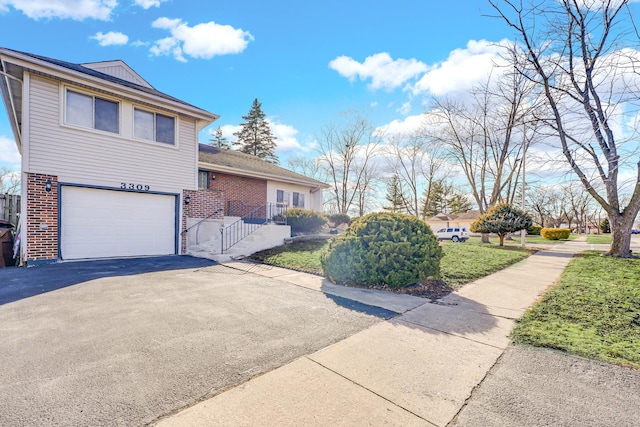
x=20, y=283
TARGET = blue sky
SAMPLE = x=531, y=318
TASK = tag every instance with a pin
x=305, y=61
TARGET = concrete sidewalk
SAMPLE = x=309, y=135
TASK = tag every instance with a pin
x=418, y=368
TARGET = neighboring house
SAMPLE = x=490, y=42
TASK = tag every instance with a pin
x=463, y=220
x=250, y=182
x=107, y=160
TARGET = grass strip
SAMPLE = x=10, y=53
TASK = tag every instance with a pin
x=462, y=262
x=594, y=311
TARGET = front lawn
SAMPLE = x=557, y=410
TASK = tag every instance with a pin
x=462, y=262
x=530, y=240
x=594, y=311
x=599, y=239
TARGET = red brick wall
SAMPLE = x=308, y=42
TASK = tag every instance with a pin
x=42, y=218
x=251, y=192
x=202, y=203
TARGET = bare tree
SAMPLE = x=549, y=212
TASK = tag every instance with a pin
x=9, y=181
x=347, y=147
x=577, y=53
x=418, y=162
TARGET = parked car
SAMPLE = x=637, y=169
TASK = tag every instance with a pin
x=455, y=234
x=635, y=231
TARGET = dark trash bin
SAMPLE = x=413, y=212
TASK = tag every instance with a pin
x=6, y=244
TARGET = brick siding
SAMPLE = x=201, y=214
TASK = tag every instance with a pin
x=42, y=218
x=240, y=192
x=202, y=203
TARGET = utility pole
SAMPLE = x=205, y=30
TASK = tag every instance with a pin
x=523, y=233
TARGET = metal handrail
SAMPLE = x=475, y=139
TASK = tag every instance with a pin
x=234, y=233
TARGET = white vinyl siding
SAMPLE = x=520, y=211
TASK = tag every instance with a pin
x=77, y=155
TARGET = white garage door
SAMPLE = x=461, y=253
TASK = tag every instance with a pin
x=106, y=223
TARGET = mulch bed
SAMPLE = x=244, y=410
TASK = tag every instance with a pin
x=431, y=289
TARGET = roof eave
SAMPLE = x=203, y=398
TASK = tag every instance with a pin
x=253, y=174
x=59, y=71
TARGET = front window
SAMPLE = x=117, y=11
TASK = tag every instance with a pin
x=282, y=196
x=92, y=112
x=203, y=179
x=298, y=200
x=153, y=126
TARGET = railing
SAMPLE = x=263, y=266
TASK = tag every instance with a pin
x=197, y=224
x=252, y=221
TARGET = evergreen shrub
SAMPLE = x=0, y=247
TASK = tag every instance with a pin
x=555, y=233
x=305, y=221
x=339, y=218
x=383, y=248
x=534, y=230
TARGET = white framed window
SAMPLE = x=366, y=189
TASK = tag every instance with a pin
x=291, y=198
x=203, y=179
x=90, y=111
x=298, y=200
x=154, y=126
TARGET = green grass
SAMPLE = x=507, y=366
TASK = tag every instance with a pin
x=530, y=240
x=594, y=311
x=462, y=262
x=599, y=239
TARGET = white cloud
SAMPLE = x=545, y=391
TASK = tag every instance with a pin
x=405, y=108
x=384, y=72
x=286, y=137
x=9, y=154
x=407, y=126
x=146, y=4
x=200, y=41
x=111, y=38
x=463, y=69
x=63, y=9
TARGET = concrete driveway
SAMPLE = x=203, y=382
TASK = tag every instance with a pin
x=126, y=342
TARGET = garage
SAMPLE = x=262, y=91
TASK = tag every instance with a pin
x=99, y=223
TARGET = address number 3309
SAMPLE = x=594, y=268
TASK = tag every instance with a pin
x=130, y=186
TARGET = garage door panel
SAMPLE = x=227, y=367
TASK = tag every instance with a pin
x=98, y=223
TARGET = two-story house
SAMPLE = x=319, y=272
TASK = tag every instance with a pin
x=107, y=160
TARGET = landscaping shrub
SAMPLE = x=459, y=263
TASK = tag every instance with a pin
x=383, y=248
x=305, y=221
x=555, y=233
x=605, y=227
x=534, y=230
x=502, y=219
x=338, y=219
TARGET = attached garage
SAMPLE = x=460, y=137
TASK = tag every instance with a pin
x=100, y=223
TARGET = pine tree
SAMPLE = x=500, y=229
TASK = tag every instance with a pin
x=254, y=136
x=394, y=195
x=459, y=203
x=218, y=140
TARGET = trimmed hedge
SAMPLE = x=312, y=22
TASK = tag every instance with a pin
x=305, y=221
x=534, y=230
x=555, y=233
x=383, y=248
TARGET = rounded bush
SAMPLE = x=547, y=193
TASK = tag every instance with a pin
x=383, y=248
x=534, y=230
x=337, y=219
x=555, y=233
x=305, y=221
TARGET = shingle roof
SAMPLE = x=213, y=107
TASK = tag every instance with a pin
x=246, y=164
x=107, y=77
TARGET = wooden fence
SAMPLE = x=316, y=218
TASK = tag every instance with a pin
x=10, y=208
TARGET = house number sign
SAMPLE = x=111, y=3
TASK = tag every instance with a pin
x=130, y=186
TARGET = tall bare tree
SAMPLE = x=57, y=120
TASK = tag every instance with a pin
x=418, y=162
x=347, y=148
x=583, y=58
x=9, y=181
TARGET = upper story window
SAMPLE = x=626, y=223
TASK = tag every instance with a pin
x=92, y=112
x=203, y=179
x=154, y=127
